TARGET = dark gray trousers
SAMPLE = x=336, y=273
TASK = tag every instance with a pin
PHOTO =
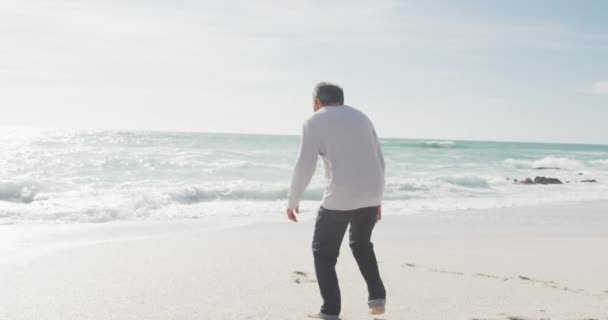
x=330, y=228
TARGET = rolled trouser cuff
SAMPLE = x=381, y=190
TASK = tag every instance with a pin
x=376, y=303
x=328, y=317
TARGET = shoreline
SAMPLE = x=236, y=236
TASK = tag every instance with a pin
x=309, y=207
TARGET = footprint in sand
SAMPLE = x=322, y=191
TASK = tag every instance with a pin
x=301, y=277
x=456, y=273
x=545, y=283
x=411, y=265
x=491, y=276
x=552, y=284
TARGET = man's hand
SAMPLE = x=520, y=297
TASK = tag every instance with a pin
x=291, y=214
x=379, y=215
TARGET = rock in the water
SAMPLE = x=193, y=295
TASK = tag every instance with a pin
x=590, y=180
x=546, y=180
x=580, y=173
x=541, y=180
x=547, y=168
x=527, y=181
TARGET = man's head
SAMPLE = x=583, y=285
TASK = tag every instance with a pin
x=327, y=94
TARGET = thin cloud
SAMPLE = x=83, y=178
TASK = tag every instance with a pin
x=600, y=87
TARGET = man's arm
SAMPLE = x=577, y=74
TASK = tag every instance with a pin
x=304, y=169
x=379, y=151
x=382, y=165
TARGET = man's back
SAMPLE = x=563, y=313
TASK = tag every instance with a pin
x=346, y=140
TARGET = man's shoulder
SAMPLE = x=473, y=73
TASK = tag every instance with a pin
x=315, y=117
x=354, y=110
x=358, y=113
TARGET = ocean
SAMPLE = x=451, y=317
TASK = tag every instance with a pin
x=53, y=176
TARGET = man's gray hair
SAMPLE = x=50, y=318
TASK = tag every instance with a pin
x=328, y=94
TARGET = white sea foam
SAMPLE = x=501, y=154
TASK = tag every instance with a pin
x=518, y=163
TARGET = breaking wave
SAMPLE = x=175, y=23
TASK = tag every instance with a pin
x=439, y=144
x=546, y=163
x=600, y=163
x=194, y=194
x=558, y=162
x=17, y=192
x=467, y=181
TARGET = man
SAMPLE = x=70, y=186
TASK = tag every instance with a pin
x=354, y=166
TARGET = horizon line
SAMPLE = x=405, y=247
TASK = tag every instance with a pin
x=288, y=135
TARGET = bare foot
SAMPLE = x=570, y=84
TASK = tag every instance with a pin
x=377, y=310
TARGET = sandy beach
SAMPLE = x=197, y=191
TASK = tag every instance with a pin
x=533, y=262
x=152, y=154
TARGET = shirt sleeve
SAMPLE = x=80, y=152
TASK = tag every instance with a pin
x=305, y=166
x=379, y=151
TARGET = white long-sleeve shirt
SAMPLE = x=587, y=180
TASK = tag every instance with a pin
x=346, y=140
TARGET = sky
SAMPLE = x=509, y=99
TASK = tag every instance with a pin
x=473, y=70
